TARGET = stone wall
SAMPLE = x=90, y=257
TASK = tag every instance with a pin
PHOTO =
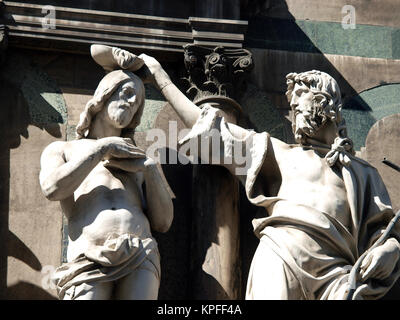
x=43, y=92
x=295, y=36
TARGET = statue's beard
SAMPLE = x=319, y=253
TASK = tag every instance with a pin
x=122, y=113
x=307, y=125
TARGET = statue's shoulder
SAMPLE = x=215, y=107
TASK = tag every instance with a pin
x=280, y=145
x=63, y=147
x=55, y=146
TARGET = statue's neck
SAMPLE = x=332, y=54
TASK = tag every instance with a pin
x=324, y=137
x=101, y=128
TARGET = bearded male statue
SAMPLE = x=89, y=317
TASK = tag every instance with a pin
x=324, y=207
x=99, y=180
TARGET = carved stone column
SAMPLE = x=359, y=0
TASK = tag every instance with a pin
x=216, y=76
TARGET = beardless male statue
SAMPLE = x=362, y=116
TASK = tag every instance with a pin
x=98, y=180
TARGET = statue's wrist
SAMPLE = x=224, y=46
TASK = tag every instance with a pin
x=394, y=242
x=103, y=147
x=162, y=79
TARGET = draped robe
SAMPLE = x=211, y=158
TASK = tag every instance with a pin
x=318, y=250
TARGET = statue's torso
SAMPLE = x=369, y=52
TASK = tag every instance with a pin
x=307, y=179
x=108, y=201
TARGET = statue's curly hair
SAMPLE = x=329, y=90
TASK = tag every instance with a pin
x=326, y=92
x=105, y=89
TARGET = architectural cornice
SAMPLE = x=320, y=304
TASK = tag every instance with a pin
x=73, y=29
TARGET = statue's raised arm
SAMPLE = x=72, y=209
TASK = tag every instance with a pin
x=153, y=72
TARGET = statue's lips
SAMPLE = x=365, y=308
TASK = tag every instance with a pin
x=124, y=106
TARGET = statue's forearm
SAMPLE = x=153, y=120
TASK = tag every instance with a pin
x=64, y=180
x=159, y=202
x=185, y=108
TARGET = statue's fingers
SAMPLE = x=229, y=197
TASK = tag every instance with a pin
x=136, y=63
x=382, y=274
x=128, y=165
x=371, y=271
x=146, y=58
x=366, y=262
x=128, y=152
x=116, y=163
x=137, y=155
x=131, y=144
x=138, y=150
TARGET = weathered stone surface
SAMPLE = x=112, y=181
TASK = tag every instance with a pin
x=354, y=74
x=215, y=256
x=383, y=141
x=374, y=12
x=364, y=110
x=34, y=241
x=33, y=114
x=68, y=31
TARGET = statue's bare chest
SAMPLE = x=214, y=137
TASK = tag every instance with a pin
x=100, y=176
x=309, y=180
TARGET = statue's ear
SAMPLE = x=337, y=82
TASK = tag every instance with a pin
x=321, y=99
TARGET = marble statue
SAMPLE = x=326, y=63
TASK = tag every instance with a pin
x=324, y=206
x=98, y=180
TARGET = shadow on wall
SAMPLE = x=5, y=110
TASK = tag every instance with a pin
x=380, y=101
x=15, y=117
x=174, y=246
x=272, y=26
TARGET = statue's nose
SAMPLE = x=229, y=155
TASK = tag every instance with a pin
x=132, y=99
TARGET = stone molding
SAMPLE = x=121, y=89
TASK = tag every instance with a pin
x=81, y=27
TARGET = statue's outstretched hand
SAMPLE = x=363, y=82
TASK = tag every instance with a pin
x=381, y=261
